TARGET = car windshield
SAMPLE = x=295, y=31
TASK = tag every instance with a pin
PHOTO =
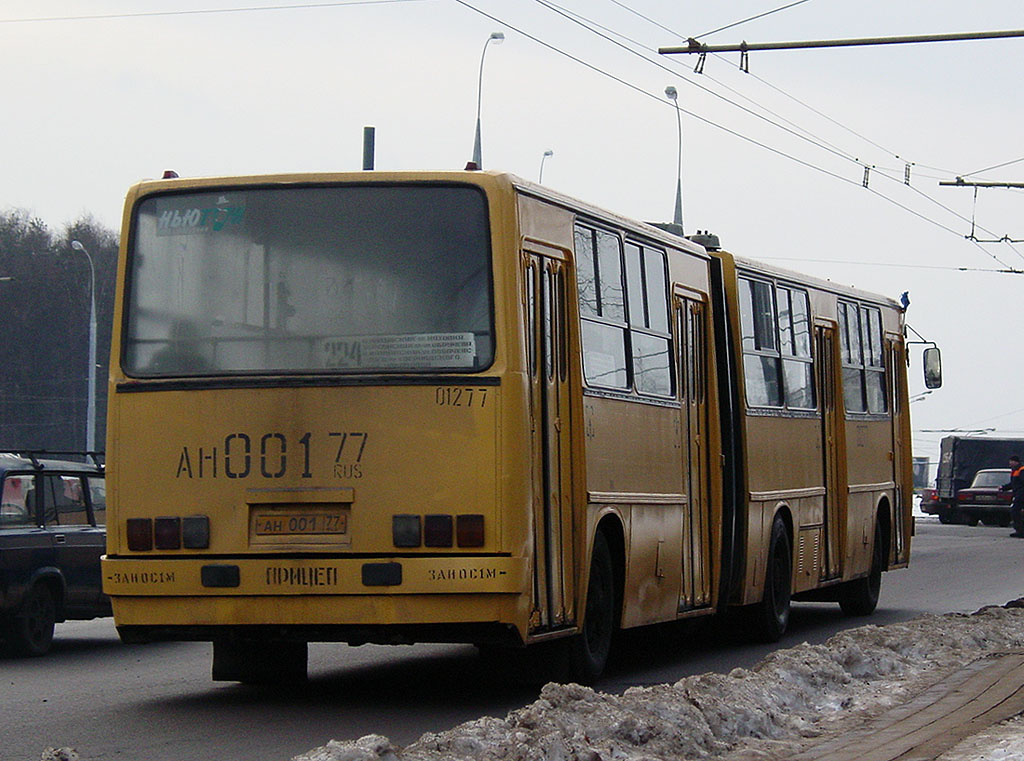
x=991, y=478
x=297, y=279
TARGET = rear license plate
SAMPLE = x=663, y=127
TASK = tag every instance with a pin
x=300, y=524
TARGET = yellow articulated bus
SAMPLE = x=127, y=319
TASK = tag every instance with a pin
x=460, y=407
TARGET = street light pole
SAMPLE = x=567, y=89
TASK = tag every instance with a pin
x=548, y=153
x=677, y=219
x=90, y=419
x=497, y=38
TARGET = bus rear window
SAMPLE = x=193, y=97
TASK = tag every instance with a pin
x=363, y=278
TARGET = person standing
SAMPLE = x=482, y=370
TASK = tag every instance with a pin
x=1016, y=485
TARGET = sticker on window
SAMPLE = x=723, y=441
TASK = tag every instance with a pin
x=196, y=219
x=415, y=351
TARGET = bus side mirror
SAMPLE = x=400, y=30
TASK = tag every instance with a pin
x=932, y=367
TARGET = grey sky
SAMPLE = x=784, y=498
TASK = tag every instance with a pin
x=93, y=105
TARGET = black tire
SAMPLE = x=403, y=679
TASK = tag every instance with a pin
x=860, y=596
x=945, y=519
x=31, y=627
x=588, y=650
x=771, y=615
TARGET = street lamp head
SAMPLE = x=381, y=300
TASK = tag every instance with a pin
x=547, y=154
x=77, y=245
x=671, y=93
x=498, y=37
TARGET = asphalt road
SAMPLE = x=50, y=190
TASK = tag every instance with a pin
x=157, y=702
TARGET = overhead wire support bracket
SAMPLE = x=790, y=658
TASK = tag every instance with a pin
x=744, y=48
x=1004, y=239
x=960, y=182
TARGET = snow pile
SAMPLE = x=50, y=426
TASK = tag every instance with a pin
x=1003, y=742
x=762, y=713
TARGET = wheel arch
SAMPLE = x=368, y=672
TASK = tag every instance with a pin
x=784, y=513
x=883, y=519
x=610, y=525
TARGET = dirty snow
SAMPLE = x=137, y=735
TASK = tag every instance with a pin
x=764, y=713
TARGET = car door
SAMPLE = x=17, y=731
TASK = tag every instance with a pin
x=77, y=542
x=25, y=546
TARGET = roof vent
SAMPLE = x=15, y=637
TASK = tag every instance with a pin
x=707, y=239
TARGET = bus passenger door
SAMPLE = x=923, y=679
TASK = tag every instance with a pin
x=550, y=440
x=897, y=409
x=830, y=402
x=695, y=591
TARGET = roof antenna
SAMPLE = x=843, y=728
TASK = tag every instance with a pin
x=369, y=143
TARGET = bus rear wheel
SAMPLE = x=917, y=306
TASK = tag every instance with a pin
x=860, y=596
x=771, y=615
x=588, y=650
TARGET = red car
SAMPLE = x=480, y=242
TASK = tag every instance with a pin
x=984, y=499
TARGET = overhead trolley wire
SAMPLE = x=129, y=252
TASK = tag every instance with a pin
x=842, y=126
x=604, y=33
x=823, y=115
x=752, y=18
x=808, y=135
x=590, y=27
x=652, y=96
x=200, y=11
x=840, y=152
x=779, y=90
x=989, y=169
x=710, y=122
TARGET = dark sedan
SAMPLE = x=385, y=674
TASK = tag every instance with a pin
x=52, y=535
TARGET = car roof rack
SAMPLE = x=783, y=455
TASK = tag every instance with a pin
x=33, y=455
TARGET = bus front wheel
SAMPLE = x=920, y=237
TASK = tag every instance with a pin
x=588, y=650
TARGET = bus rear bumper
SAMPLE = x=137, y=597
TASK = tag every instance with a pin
x=285, y=576
x=396, y=620
x=439, y=599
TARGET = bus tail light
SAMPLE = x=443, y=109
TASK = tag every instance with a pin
x=437, y=531
x=405, y=530
x=469, y=530
x=167, y=533
x=195, y=532
x=140, y=534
